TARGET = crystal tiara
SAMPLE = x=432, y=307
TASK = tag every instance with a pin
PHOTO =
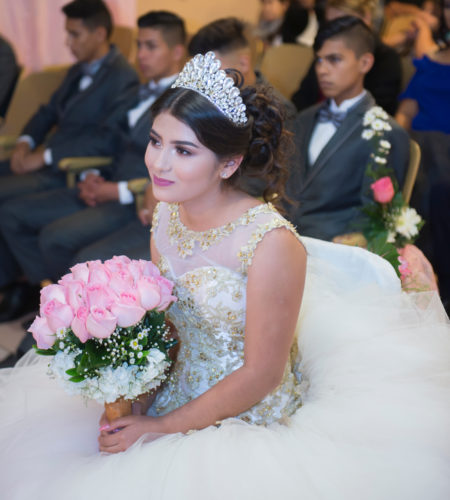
x=203, y=74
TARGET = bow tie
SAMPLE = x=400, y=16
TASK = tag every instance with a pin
x=145, y=92
x=326, y=115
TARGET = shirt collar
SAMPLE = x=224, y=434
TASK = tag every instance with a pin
x=347, y=104
x=164, y=82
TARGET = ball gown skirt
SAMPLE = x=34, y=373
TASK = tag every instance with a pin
x=374, y=423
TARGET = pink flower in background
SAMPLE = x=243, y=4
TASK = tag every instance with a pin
x=57, y=314
x=99, y=295
x=148, y=268
x=121, y=280
x=383, y=190
x=79, y=272
x=128, y=309
x=42, y=333
x=79, y=324
x=149, y=292
x=51, y=292
x=100, y=323
x=75, y=293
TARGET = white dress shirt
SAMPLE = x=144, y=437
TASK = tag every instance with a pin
x=323, y=132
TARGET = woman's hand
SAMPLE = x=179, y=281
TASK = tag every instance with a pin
x=121, y=433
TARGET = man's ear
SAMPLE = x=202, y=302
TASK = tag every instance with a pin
x=366, y=62
x=178, y=52
x=101, y=34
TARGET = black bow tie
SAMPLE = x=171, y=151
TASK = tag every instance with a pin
x=145, y=92
x=326, y=115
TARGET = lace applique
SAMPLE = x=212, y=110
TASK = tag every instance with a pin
x=155, y=217
x=246, y=252
x=185, y=238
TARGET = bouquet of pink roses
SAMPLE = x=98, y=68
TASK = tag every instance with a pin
x=104, y=325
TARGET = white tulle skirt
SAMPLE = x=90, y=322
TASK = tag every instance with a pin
x=375, y=423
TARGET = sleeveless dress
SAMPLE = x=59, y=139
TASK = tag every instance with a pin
x=362, y=412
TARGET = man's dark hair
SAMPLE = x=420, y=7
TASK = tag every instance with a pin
x=93, y=13
x=223, y=35
x=357, y=35
x=171, y=26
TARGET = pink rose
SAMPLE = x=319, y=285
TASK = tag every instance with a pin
x=383, y=190
x=117, y=263
x=128, y=309
x=99, y=295
x=121, y=281
x=135, y=270
x=42, y=334
x=148, y=268
x=51, y=292
x=149, y=292
x=98, y=273
x=80, y=272
x=79, y=324
x=75, y=293
x=57, y=314
x=100, y=323
x=166, y=288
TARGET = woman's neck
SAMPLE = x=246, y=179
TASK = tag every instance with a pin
x=228, y=205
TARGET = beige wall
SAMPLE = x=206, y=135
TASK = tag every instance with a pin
x=196, y=13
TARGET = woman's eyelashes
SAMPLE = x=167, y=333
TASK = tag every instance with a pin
x=182, y=151
x=154, y=141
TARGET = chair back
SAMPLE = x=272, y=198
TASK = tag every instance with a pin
x=31, y=91
x=123, y=37
x=413, y=168
x=7, y=99
x=285, y=65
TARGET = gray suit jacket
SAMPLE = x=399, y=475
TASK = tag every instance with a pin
x=330, y=193
x=78, y=114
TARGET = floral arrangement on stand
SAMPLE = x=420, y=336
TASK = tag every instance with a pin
x=104, y=325
x=391, y=225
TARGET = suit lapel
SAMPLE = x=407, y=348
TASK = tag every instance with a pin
x=348, y=126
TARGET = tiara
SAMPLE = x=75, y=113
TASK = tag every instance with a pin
x=203, y=75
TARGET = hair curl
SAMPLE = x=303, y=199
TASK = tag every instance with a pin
x=263, y=142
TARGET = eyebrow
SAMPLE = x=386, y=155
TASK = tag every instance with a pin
x=177, y=143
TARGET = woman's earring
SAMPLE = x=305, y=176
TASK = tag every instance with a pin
x=223, y=175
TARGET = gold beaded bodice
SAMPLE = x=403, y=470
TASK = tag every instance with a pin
x=210, y=274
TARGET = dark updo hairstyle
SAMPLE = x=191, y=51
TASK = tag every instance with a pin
x=262, y=141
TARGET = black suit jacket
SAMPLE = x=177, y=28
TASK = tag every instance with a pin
x=78, y=114
x=9, y=71
x=330, y=193
x=384, y=81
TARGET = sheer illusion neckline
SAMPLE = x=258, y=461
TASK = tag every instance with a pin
x=186, y=238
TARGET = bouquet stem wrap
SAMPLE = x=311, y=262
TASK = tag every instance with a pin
x=121, y=407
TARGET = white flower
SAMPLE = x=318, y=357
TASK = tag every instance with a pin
x=139, y=355
x=385, y=144
x=368, y=119
x=134, y=344
x=379, y=159
x=378, y=125
x=140, y=335
x=368, y=134
x=391, y=237
x=406, y=222
x=61, y=333
x=387, y=126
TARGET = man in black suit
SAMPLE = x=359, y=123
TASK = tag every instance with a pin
x=46, y=231
x=328, y=179
x=383, y=80
x=8, y=74
x=87, y=94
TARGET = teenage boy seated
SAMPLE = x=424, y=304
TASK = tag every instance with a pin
x=85, y=97
x=229, y=39
x=328, y=179
x=45, y=232
x=383, y=80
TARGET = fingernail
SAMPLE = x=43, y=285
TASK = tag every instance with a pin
x=104, y=427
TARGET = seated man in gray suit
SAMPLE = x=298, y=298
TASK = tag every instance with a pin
x=87, y=94
x=328, y=181
x=46, y=231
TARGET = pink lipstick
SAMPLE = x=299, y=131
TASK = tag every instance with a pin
x=161, y=182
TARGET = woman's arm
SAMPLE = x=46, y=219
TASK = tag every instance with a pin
x=274, y=292
x=407, y=110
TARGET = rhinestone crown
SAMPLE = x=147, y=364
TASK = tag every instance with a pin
x=203, y=74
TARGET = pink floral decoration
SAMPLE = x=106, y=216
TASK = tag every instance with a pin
x=383, y=190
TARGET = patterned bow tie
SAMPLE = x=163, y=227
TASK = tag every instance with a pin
x=326, y=115
x=145, y=92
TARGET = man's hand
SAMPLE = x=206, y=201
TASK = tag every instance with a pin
x=95, y=190
x=18, y=155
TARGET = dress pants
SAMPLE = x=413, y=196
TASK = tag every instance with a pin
x=45, y=231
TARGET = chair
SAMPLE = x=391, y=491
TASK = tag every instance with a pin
x=31, y=91
x=285, y=66
x=413, y=168
x=73, y=166
x=7, y=99
x=123, y=37
x=138, y=187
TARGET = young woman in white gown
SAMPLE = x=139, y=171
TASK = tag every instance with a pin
x=348, y=400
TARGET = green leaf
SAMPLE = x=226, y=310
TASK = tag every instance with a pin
x=77, y=378
x=44, y=352
x=72, y=372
